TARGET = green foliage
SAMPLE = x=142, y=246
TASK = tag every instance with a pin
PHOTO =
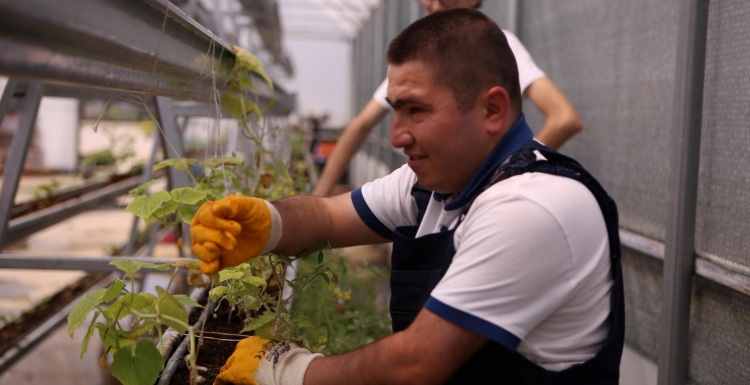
x=341, y=315
x=46, y=191
x=142, y=366
x=120, y=149
x=136, y=361
x=333, y=308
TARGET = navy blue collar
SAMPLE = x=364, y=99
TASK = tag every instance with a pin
x=517, y=137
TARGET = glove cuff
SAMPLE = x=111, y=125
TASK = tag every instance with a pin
x=275, y=234
x=297, y=367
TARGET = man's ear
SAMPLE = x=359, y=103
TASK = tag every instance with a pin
x=497, y=107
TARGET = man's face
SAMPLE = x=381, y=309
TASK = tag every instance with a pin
x=432, y=6
x=445, y=145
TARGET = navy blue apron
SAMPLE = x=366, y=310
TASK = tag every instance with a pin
x=419, y=263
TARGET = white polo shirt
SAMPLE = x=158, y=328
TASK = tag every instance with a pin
x=531, y=269
x=528, y=72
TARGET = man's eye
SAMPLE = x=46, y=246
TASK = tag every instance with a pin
x=415, y=110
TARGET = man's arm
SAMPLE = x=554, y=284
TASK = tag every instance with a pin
x=309, y=220
x=348, y=144
x=428, y=352
x=562, y=119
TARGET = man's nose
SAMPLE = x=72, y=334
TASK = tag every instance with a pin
x=400, y=133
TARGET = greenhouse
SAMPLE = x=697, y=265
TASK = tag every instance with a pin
x=289, y=192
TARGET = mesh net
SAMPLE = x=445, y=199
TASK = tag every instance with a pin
x=722, y=227
x=719, y=335
x=642, y=277
x=615, y=62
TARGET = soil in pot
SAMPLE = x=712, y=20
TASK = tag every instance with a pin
x=214, y=351
x=221, y=334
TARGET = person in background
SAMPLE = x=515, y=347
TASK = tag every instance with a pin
x=562, y=119
x=506, y=254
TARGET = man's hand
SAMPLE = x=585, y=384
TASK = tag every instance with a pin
x=257, y=361
x=232, y=230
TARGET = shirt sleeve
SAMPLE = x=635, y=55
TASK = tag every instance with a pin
x=387, y=203
x=528, y=72
x=381, y=93
x=504, y=279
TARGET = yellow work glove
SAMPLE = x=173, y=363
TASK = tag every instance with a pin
x=257, y=361
x=232, y=230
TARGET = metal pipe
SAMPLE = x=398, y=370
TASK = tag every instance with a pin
x=37, y=262
x=682, y=192
x=17, y=156
x=94, y=42
x=714, y=268
x=28, y=224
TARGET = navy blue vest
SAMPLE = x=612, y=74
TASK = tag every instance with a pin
x=419, y=263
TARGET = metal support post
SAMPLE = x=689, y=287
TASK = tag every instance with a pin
x=172, y=141
x=146, y=176
x=7, y=97
x=682, y=193
x=173, y=148
x=514, y=16
x=17, y=156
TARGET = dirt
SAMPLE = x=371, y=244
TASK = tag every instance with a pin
x=212, y=354
x=11, y=333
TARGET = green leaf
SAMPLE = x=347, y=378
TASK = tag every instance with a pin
x=143, y=328
x=187, y=213
x=227, y=161
x=180, y=164
x=140, y=368
x=188, y=195
x=82, y=309
x=87, y=336
x=218, y=292
x=169, y=208
x=237, y=106
x=251, y=303
x=255, y=282
x=114, y=290
x=227, y=274
x=157, y=266
x=263, y=319
x=140, y=190
x=159, y=197
x=186, y=301
x=320, y=258
x=111, y=337
x=265, y=332
x=142, y=207
x=169, y=306
x=143, y=301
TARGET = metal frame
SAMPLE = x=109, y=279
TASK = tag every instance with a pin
x=18, y=149
x=87, y=49
x=683, y=192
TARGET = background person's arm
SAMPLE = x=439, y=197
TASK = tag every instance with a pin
x=348, y=144
x=562, y=119
x=413, y=356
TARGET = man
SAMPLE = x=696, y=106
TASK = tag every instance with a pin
x=562, y=119
x=507, y=272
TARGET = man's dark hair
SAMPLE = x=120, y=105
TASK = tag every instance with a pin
x=466, y=51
